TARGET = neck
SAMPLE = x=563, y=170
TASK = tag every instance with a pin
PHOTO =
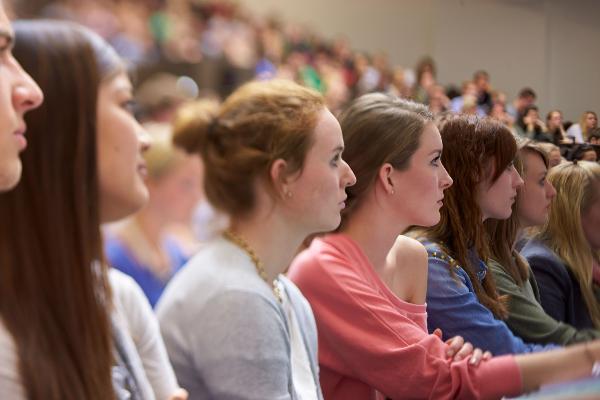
x=271, y=238
x=371, y=228
x=151, y=226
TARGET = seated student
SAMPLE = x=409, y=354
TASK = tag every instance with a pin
x=68, y=329
x=142, y=247
x=514, y=278
x=564, y=255
x=461, y=295
x=21, y=95
x=594, y=136
x=583, y=152
x=235, y=328
x=367, y=285
x=579, y=132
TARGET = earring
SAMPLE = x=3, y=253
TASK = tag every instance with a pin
x=288, y=194
x=392, y=192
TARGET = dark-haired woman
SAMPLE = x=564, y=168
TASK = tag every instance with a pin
x=69, y=329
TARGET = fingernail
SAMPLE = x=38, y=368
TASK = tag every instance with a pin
x=472, y=360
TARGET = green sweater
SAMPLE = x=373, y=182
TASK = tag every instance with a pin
x=528, y=319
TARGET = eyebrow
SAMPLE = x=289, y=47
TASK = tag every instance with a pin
x=9, y=39
x=338, y=149
x=438, y=151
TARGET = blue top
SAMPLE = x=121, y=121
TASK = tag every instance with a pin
x=560, y=293
x=453, y=306
x=120, y=257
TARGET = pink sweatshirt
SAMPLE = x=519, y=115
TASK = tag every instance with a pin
x=371, y=343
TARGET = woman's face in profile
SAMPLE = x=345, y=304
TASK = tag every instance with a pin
x=120, y=143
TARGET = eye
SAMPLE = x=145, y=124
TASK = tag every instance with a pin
x=510, y=166
x=335, y=160
x=130, y=106
x=435, y=161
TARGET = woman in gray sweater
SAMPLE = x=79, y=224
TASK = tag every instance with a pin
x=234, y=327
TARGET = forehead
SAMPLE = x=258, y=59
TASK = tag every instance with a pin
x=327, y=132
x=5, y=27
x=430, y=138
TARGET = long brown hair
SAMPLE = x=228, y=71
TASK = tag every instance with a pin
x=474, y=148
x=575, y=184
x=503, y=233
x=54, y=295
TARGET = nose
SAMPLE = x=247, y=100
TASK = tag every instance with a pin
x=517, y=179
x=350, y=178
x=27, y=95
x=145, y=140
x=446, y=180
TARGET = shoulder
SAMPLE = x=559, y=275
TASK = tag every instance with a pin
x=539, y=256
x=408, y=249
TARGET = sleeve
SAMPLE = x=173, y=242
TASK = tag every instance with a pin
x=237, y=345
x=528, y=319
x=145, y=332
x=11, y=386
x=553, y=286
x=454, y=308
x=378, y=345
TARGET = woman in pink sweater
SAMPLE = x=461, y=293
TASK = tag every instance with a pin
x=367, y=285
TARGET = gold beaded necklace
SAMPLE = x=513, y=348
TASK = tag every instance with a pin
x=260, y=269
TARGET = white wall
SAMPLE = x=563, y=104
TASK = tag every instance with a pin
x=550, y=45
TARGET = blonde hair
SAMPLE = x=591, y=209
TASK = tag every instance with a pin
x=563, y=233
x=583, y=123
x=238, y=141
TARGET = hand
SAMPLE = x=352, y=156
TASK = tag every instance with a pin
x=180, y=394
x=458, y=350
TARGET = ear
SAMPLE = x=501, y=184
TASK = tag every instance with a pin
x=280, y=178
x=384, y=178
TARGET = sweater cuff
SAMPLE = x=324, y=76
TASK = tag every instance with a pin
x=500, y=377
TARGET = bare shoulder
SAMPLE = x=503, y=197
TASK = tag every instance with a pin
x=407, y=251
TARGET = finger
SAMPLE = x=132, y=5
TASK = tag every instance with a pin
x=476, y=357
x=454, y=345
x=487, y=355
x=438, y=332
x=464, y=352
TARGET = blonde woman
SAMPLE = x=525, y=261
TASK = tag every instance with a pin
x=143, y=247
x=564, y=255
x=579, y=131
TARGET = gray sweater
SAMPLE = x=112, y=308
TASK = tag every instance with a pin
x=226, y=335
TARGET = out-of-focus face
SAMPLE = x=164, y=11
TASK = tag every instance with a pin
x=533, y=115
x=554, y=158
x=555, y=120
x=591, y=121
x=590, y=220
x=177, y=193
x=420, y=187
x=18, y=94
x=536, y=194
x=317, y=195
x=590, y=155
x=495, y=199
x=120, y=142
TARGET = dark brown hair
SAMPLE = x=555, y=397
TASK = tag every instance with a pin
x=503, y=233
x=475, y=149
x=54, y=295
x=238, y=142
x=379, y=128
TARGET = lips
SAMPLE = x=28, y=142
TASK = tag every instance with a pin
x=20, y=136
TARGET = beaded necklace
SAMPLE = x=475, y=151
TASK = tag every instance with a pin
x=260, y=269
